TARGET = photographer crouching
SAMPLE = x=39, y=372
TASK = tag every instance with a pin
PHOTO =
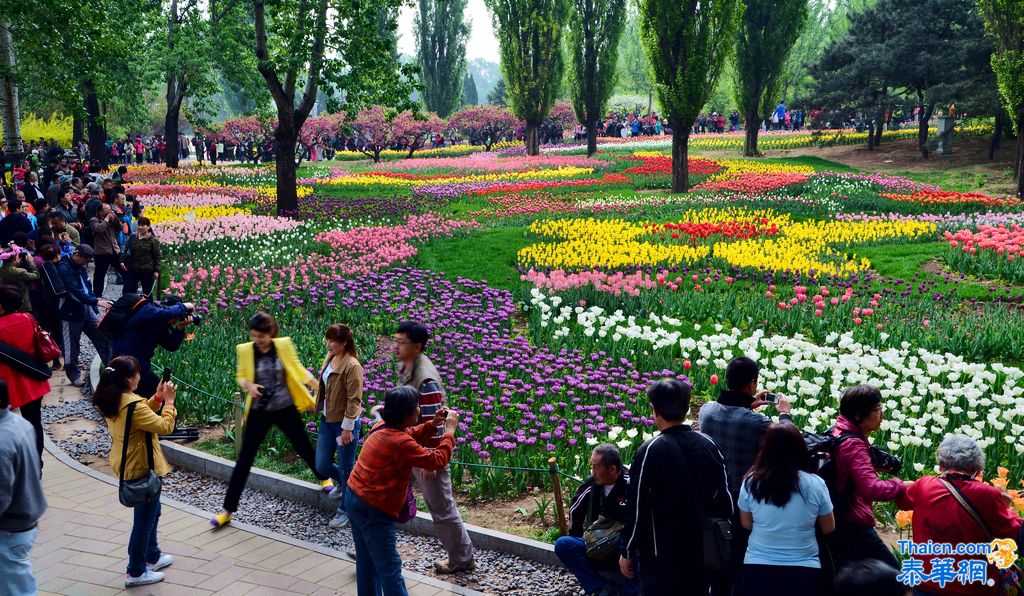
x=136, y=326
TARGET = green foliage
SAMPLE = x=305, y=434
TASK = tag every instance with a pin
x=635, y=75
x=1005, y=22
x=592, y=38
x=764, y=40
x=499, y=95
x=687, y=45
x=441, y=37
x=530, y=35
x=469, y=91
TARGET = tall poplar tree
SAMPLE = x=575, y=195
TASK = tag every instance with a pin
x=688, y=43
x=530, y=38
x=469, y=91
x=764, y=40
x=592, y=37
x=1004, y=20
x=441, y=37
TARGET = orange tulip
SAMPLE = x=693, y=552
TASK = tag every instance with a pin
x=904, y=518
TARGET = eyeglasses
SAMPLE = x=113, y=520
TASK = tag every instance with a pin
x=403, y=342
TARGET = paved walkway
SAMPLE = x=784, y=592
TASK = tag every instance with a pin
x=82, y=548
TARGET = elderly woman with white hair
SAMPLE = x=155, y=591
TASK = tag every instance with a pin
x=956, y=507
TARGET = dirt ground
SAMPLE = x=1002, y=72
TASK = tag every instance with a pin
x=969, y=158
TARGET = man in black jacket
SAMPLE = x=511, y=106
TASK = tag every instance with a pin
x=663, y=538
x=602, y=494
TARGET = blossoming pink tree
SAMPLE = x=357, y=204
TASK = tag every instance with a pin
x=376, y=130
x=489, y=123
x=319, y=130
x=416, y=132
x=241, y=130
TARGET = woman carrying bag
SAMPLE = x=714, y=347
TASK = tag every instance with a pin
x=135, y=452
x=18, y=333
x=270, y=373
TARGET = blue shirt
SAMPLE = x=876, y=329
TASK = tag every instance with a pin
x=784, y=536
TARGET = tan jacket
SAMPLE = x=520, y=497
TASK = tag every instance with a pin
x=343, y=392
x=145, y=420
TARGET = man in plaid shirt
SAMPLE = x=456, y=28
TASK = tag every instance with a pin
x=738, y=430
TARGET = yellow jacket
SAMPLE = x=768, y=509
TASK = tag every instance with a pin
x=146, y=419
x=296, y=375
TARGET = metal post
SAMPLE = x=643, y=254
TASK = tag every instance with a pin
x=556, y=486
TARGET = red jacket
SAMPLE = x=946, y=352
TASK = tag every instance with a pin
x=18, y=330
x=940, y=518
x=853, y=464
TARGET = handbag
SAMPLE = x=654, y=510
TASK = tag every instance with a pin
x=145, y=490
x=716, y=532
x=1011, y=578
x=601, y=539
x=409, y=509
x=47, y=350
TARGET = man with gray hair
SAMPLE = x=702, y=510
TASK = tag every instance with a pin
x=956, y=507
x=603, y=494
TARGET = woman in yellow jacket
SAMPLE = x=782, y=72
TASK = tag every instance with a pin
x=270, y=373
x=114, y=394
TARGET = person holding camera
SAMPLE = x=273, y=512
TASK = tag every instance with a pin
x=734, y=424
x=270, y=372
x=19, y=270
x=148, y=325
x=855, y=538
x=141, y=259
x=114, y=394
x=78, y=309
x=105, y=228
x=379, y=491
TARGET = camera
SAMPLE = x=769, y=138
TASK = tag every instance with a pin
x=197, y=319
x=883, y=461
x=266, y=396
x=772, y=398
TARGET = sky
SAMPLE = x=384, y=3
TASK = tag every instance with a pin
x=482, y=42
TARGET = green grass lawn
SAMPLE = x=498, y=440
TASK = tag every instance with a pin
x=488, y=254
x=819, y=164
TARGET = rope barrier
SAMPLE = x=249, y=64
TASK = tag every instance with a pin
x=184, y=383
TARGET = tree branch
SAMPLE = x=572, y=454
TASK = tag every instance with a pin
x=316, y=62
x=262, y=56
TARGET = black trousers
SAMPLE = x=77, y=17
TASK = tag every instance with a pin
x=730, y=582
x=256, y=427
x=661, y=576
x=33, y=413
x=851, y=542
x=99, y=277
x=778, y=580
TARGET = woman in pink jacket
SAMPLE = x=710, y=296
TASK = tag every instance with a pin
x=855, y=538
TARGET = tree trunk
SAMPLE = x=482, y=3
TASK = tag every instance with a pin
x=94, y=123
x=871, y=134
x=175, y=93
x=532, y=143
x=592, y=137
x=11, y=110
x=1018, y=167
x=680, y=166
x=285, y=138
x=997, y=133
x=922, y=129
x=750, y=138
x=77, y=129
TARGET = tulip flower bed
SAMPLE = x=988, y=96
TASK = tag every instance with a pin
x=989, y=252
x=772, y=259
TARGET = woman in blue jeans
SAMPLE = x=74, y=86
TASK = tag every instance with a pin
x=340, y=402
x=149, y=418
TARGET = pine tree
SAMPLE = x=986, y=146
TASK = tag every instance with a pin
x=469, y=91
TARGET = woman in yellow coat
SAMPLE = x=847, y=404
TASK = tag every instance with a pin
x=270, y=373
x=113, y=396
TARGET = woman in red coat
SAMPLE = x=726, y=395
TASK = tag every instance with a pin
x=18, y=329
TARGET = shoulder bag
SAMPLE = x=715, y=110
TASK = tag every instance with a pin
x=24, y=363
x=716, y=532
x=145, y=490
x=47, y=350
x=1011, y=578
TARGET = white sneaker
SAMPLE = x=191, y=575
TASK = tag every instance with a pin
x=337, y=492
x=148, y=577
x=340, y=520
x=165, y=561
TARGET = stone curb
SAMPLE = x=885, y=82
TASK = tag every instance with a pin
x=169, y=448
x=311, y=495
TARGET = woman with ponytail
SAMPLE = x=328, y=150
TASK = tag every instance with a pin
x=113, y=396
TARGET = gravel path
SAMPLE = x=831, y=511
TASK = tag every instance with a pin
x=495, y=573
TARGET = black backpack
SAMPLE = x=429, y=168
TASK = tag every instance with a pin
x=822, y=449
x=114, y=321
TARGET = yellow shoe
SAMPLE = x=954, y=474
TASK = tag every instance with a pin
x=220, y=520
x=327, y=485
